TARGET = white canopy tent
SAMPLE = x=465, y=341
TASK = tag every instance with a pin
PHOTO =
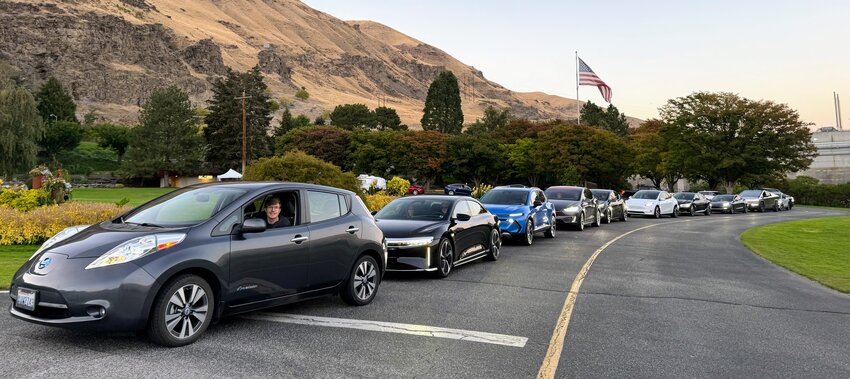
x=230, y=175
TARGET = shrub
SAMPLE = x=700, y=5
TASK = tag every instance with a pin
x=480, y=190
x=36, y=226
x=377, y=201
x=24, y=200
x=807, y=190
x=397, y=186
x=297, y=166
x=302, y=94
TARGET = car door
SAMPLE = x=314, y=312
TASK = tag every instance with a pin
x=664, y=202
x=334, y=237
x=537, y=211
x=268, y=264
x=479, y=226
x=462, y=231
x=615, y=204
x=546, y=210
x=588, y=202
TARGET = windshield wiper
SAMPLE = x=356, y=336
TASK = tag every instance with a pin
x=144, y=224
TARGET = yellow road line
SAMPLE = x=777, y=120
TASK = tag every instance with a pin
x=556, y=344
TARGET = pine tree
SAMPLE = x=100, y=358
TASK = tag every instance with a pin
x=54, y=104
x=442, y=105
x=224, y=122
x=387, y=119
x=286, y=124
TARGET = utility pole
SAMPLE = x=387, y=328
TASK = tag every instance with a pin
x=244, y=131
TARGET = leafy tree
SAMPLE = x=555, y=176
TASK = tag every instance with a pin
x=166, y=141
x=89, y=118
x=494, y=119
x=54, y=104
x=352, y=116
x=301, y=121
x=375, y=153
x=611, y=119
x=20, y=125
x=319, y=120
x=736, y=137
x=111, y=136
x=521, y=128
x=584, y=153
x=524, y=160
x=387, y=119
x=442, y=111
x=223, y=133
x=302, y=94
x=297, y=166
x=328, y=143
x=60, y=136
x=422, y=155
x=473, y=158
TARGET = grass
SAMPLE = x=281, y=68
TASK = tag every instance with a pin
x=818, y=249
x=137, y=196
x=823, y=207
x=88, y=157
x=11, y=259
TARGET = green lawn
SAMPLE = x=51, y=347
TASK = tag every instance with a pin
x=88, y=157
x=11, y=259
x=818, y=249
x=137, y=196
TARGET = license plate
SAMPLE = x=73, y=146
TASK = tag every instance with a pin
x=26, y=299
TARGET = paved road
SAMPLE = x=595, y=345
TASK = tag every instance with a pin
x=680, y=299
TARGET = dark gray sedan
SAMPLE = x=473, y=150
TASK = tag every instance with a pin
x=611, y=205
x=182, y=261
x=728, y=204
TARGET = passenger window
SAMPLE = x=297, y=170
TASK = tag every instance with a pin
x=541, y=197
x=460, y=207
x=474, y=208
x=323, y=206
x=344, y=206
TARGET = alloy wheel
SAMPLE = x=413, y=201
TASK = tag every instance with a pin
x=186, y=311
x=529, y=232
x=495, y=245
x=451, y=193
x=657, y=212
x=446, y=258
x=365, y=280
x=693, y=212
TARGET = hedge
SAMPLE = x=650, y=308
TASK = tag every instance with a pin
x=36, y=226
x=807, y=190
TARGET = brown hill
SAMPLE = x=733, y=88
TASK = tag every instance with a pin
x=113, y=54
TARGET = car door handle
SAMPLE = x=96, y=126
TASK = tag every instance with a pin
x=352, y=229
x=299, y=238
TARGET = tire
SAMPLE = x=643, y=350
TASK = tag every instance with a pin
x=446, y=258
x=675, y=212
x=173, y=312
x=693, y=212
x=609, y=214
x=580, y=225
x=451, y=193
x=776, y=207
x=363, y=282
x=529, y=233
x=553, y=229
x=415, y=192
x=761, y=207
x=624, y=216
x=746, y=209
x=495, y=245
x=657, y=213
x=708, y=211
x=597, y=220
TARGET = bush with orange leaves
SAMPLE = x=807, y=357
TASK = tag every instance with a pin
x=36, y=226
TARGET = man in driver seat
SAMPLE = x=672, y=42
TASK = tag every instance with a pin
x=272, y=214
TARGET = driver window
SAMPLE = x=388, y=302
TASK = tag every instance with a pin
x=278, y=209
x=460, y=207
x=474, y=208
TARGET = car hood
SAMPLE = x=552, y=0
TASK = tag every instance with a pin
x=409, y=228
x=684, y=201
x=561, y=204
x=640, y=202
x=97, y=239
x=750, y=197
x=506, y=209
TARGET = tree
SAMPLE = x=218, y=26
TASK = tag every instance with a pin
x=442, y=111
x=20, y=125
x=111, y=136
x=422, y=155
x=223, y=133
x=302, y=94
x=166, y=142
x=375, y=153
x=286, y=124
x=611, y=119
x=301, y=121
x=585, y=154
x=297, y=166
x=54, y=104
x=524, y=161
x=387, y=119
x=328, y=143
x=473, y=158
x=494, y=119
x=737, y=137
x=352, y=116
x=60, y=136
x=658, y=153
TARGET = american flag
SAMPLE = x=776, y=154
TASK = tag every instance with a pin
x=586, y=77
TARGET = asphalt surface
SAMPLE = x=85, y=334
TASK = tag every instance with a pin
x=680, y=299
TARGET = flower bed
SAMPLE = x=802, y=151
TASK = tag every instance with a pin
x=35, y=226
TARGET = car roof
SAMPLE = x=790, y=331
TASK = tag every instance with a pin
x=259, y=185
x=566, y=187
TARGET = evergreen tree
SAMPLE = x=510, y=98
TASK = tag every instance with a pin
x=611, y=119
x=224, y=122
x=166, y=142
x=442, y=105
x=494, y=119
x=387, y=119
x=115, y=137
x=352, y=116
x=20, y=126
x=287, y=123
x=60, y=136
x=54, y=104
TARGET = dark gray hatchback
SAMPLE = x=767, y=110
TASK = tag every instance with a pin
x=182, y=261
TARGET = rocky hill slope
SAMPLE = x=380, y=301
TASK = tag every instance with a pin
x=113, y=53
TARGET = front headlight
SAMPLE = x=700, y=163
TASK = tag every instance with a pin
x=573, y=208
x=686, y=205
x=650, y=203
x=410, y=242
x=515, y=215
x=726, y=204
x=59, y=237
x=137, y=248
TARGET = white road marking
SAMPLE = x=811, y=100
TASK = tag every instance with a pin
x=5, y=291
x=392, y=327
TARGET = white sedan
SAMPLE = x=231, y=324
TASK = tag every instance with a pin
x=652, y=203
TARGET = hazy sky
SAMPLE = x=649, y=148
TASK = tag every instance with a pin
x=792, y=52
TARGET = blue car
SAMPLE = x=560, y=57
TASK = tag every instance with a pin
x=458, y=189
x=522, y=212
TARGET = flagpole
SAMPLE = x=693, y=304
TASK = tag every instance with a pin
x=578, y=113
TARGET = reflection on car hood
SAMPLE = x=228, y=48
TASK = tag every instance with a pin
x=410, y=228
x=506, y=209
x=561, y=204
x=639, y=202
x=98, y=239
x=681, y=201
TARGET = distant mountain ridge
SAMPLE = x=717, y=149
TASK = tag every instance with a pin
x=112, y=54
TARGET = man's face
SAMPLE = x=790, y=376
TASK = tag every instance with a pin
x=445, y=208
x=273, y=210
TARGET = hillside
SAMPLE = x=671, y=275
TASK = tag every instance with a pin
x=113, y=54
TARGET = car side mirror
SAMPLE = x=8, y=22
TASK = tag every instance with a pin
x=537, y=203
x=462, y=217
x=374, y=213
x=253, y=225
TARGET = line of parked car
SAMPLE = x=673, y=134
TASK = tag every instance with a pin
x=180, y=262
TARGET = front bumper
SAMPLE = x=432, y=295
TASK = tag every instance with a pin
x=510, y=227
x=753, y=206
x=641, y=210
x=414, y=258
x=721, y=208
x=71, y=297
x=567, y=218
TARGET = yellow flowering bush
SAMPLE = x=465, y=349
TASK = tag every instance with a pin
x=23, y=200
x=377, y=201
x=35, y=226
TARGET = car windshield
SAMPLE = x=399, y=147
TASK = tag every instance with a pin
x=724, y=198
x=505, y=197
x=185, y=207
x=601, y=195
x=650, y=195
x=751, y=193
x=684, y=196
x=709, y=193
x=573, y=194
x=416, y=209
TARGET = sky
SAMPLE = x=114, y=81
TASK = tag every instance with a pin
x=791, y=52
